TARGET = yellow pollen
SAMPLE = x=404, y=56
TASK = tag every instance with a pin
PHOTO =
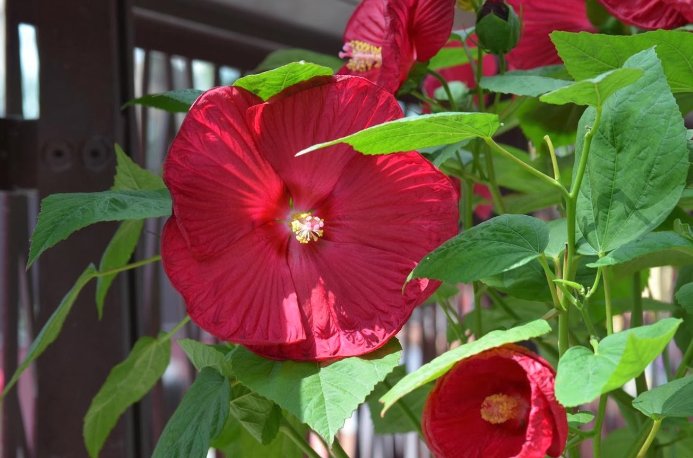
x=465, y=5
x=499, y=408
x=307, y=227
x=364, y=56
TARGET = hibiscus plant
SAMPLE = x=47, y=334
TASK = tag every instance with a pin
x=308, y=218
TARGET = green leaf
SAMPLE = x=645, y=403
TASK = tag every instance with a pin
x=258, y=415
x=281, y=57
x=127, y=383
x=526, y=282
x=412, y=133
x=438, y=155
x=52, y=328
x=684, y=296
x=593, y=91
x=63, y=214
x=587, y=55
x=117, y=254
x=172, y=101
x=579, y=418
x=323, y=395
x=648, y=244
x=516, y=177
x=557, y=121
x=630, y=186
x=673, y=399
x=492, y=247
x=440, y=365
x=521, y=82
x=558, y=237
x=235, y=441
x=132, y=177
x=583, y=375
x=198, y=419
x=395, y=421
x=202, y=355
x=449, y=57
x=272, y=82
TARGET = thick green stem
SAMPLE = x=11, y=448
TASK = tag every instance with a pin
x=446, y=87
x=478, y=323
x=338, y=451
x=650, y=438
x=298, y=439
x=554, y=161
x=493, y=184
x=129, y=266
x=606, y=276
x=635, y=321
x=479, y=75
x=496, y=100
x=597, y=440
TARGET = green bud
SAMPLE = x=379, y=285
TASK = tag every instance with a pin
x=497, y=27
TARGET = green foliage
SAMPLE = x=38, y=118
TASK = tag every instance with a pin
x=673, y=399
x=259, y=416
x=521, y=82
x=178, y=101
x=235, y=441
x=648, y=244
x=281, y=57
x=559, y=122
x=583, y=375
x=199, y=418
x=684, y=296
x=630, y=187
x=132, y=177
x=424, y=131
x=202, y=355
x=492, y=247
x=449, y=57
x=579, y=418
x=443, y=363
x=593, y=91
x=272, y=82
x=322, y=395
x=127, y=383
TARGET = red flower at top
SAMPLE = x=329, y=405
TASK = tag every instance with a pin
x=384, y=38
x=500, y=404
x=539, y=19
x=299, y=258
x=651, y=14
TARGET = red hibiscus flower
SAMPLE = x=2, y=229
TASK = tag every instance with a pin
x=651, y=14
x=299, y=258
x=539, y=19
x=384, y=38
x=500, y=404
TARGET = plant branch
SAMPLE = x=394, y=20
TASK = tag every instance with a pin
x=650, y=438
x=446, y=87
x=300, y=441
x=597, y=440
x=129, y=266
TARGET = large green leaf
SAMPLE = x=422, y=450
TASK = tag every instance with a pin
x=203, y=355
x=172, y=101
x=199, y=418
x=272, y=82
x=132, y=177
x=440, y=365
x=522, y=83
x=673, y=399
x=127, y=383
x=492, y=247
x=593, y=91
x=52, y=328
x=258, y=415
x=280, y=57
x=236, y=442
x=323, y=395
x=583, y=375
x=638, y=160
x=526, y=282
x=117, y=254
x=412, y=133
x=648, y=244
x=63, y=214
x=684, y=296
x=587, y=55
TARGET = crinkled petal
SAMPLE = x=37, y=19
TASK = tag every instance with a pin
x=244, y=294
x=351, y=299
x=221, y=187
x=399, y=203
x=540, y=18
x=432, y=26
x=651, y=14
x=286, y=125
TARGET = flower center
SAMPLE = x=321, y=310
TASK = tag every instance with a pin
x=306, y=227
x=363, y=56
x=499, y=408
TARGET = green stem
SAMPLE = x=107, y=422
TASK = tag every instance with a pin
x=636, y=321
x=554, y=161
x=479, y=75
x=129, y=266
x=478, y=323
x=428, y=100
x=446, y=87
x=338, y=451
x=493, y=185
x=496, y=99
x=298, y=439
x=451, y=322
x=497, y=299
x=597, y=440
x=585, y=312
x=550, y=277
x=407, y=412
x=685, y=361
x=176, y=328
x=468, y=195
x=650, y=438
x=607, y=301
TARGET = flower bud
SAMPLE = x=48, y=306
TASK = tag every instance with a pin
x=497, y=27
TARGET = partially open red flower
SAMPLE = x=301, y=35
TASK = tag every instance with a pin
x=384, y=38
x=497, y=404
x=651, y=14
x=304, y=257
x=539, y=19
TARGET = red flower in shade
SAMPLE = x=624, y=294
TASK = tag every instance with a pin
x=304, y=257
x=384, y=38
x=651, y=14
x=539, y=19
x=497, y=404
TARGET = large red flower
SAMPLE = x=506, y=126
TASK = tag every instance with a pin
x=304, y=257
x=384, y=38
x=651, y=14
x=539, y=19
x=497, y=404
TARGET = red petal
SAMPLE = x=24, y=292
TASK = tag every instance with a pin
x=286, y=125
x=244, y=294
x=432, y=26
x=398, y=203
x=367, y=23
x=540, y=18
x=649, y=14
x=221, y=187
x=351, y=299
